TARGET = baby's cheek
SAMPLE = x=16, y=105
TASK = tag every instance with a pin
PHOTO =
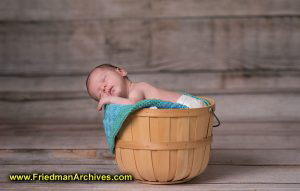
x=116, y=92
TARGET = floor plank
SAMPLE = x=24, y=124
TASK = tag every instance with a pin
x=104, y=156
x=134, y=186
x=214, y=174
x=255, y=157
x=245, y=156
x=64, y=136
x=56, y=156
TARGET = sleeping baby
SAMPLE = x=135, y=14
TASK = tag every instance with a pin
x=110, y=84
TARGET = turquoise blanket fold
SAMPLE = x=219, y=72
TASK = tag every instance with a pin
x=116, y=114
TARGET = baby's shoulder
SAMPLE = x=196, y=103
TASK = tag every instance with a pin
x=145, y=86
x=148, y=90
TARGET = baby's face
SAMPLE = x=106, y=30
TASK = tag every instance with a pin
x=105, y=82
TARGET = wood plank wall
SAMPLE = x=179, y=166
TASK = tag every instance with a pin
x=244, y=53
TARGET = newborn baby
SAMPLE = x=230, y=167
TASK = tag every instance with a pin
x=110, y=84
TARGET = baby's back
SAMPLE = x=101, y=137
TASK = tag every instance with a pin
x=152, y=92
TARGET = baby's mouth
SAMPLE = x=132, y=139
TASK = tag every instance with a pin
x=110, y=91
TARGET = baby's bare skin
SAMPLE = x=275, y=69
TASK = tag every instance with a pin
x=151, y=92
x=111, y=86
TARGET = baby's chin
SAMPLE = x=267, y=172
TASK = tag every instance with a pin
x=118, y=93
x=115, y=93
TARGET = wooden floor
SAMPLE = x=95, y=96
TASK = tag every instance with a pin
x=245, y=156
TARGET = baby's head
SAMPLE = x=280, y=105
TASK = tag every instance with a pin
x=107, y=80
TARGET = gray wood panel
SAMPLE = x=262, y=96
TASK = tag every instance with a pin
x=134, y=186
x=257, y=135
x=263, y=107
x=104, y=156
x=69, y=48
x=248, y=174
x=50, y=111
x=72, y=9
x=244, y=53
x=255, y=156
x=79, y=136
x=209, y=44
x=63, y=87
x=118, y=9
x=56, y=156
x=224, y=8
x=213, y=174
x=76, y=136
x=226, y=44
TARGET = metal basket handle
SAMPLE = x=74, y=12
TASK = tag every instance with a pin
x=219, y=123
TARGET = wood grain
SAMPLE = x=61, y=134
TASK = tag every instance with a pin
x=207, y=44
x=243, y=53
x=227, y=136
x=250, y=157
x=119, y=9
x=225, y=44
x=214, y=174
x=70, y=87
x=160, y=159
x=56, y=156
x=254, y=107
x=223, y=8
x=136, y=187
x=63, y=48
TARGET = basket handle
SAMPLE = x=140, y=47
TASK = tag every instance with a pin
x=219, y=123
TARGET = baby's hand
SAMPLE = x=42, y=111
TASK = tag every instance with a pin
x=102, y=102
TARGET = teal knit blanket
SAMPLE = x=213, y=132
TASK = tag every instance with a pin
x=116, y=114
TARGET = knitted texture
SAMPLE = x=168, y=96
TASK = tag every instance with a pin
x=116, y=114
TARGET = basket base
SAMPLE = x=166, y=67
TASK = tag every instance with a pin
x=169, y=182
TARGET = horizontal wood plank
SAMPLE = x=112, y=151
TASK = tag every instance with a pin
x=137, y=187
x=118, y=9
x=70, y=87
x=223, y=8
x=74, y=136
x=73, y=9
x=104, y=156
x=53, y=137
x=56, y=156
x=71, y=47
x=50, y=111
x=264, y=107
x=225, y=44
x=255, y=157
x=244, y=53
x=213, y=174
x=209, y=44
x=257, y=135
x=248, y=174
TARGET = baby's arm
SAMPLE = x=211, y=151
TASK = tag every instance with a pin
x=136, y=96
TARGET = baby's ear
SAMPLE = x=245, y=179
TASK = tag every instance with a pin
x=122, y=71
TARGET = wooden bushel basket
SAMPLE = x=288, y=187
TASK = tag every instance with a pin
x=165, y=146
